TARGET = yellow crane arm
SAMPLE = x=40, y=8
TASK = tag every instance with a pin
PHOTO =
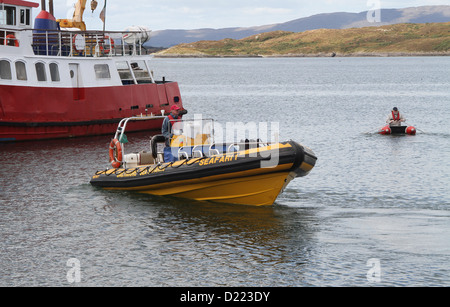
x=77, y=20
x=80, y=6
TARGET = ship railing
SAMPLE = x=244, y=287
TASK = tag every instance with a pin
x=86, y=43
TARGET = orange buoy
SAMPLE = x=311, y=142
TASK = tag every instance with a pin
x=411, y=130
x=385, y=130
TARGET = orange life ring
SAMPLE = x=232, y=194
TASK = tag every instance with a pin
x=115, y=153
x=107, y=49
x=10, y=37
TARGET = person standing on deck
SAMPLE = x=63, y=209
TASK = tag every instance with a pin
x=175, y=116
x=395, y=118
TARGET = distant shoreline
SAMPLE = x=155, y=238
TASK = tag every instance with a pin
x=399, y=40
x=317, y=55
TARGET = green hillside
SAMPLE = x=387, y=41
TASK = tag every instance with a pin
x=399, y=39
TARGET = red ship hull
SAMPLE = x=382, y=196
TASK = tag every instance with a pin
x=68, y=130
x=36, y=113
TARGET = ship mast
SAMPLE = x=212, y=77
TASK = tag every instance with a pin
x=103, y=13
x=50, y=5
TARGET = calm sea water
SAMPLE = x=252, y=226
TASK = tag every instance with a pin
x=375, y=211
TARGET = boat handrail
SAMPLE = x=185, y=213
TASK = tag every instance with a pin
x=246, y=143
x=194, y=150
x=229, y=148
x=211, y=151
x=123, y=123
x=181, y=153
x=120, y=131
x=63, y=43
x=214, y=151
x=231, y=145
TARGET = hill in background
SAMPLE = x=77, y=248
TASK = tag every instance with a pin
x=399, y=39
x=422, y=14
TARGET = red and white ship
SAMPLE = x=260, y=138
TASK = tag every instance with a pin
x=60, y=83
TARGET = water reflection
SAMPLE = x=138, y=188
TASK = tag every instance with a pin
x=187, y=237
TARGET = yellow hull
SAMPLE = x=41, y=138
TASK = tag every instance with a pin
x=254, y=187
x=259, y=190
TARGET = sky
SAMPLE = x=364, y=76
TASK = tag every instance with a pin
x=196, y=14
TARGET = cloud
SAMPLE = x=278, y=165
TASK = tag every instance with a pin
x=266, y=10
x=195, y=14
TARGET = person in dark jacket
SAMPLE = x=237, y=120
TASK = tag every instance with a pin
x=176, y=114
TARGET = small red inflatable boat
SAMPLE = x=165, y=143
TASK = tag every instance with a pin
x=398, y=130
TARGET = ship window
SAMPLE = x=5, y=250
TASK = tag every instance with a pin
x=54, y=72
x=5, y=70
x=21, y=71
x=124, y=72
x=102, y=71
x=28, y=17
x=10, y=15
x=40, y=72
x=2, y=17
x=22, y=16
x=141, y=72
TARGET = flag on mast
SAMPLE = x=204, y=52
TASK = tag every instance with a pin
x=103, y=16
x=103, y=13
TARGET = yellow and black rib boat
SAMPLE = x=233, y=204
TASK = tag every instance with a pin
x=250, y=173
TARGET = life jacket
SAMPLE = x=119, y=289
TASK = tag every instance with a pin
x=396, y=117
x=173, y=120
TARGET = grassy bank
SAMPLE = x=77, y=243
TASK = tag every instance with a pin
x=391, y=40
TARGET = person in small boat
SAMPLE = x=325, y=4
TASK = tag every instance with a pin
x=395, y=118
